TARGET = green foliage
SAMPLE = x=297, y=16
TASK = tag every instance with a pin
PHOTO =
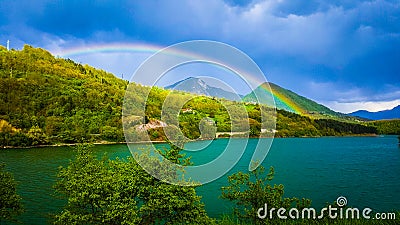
x=295, y=125
x=37, y=136
x=54, y=100
x=14, y=139
x=255, y=127
x=344, y=128
x=250, y=191
x=207, y=128
x=111, y=133
x=120, y=192
x=10, y=136
x=96, y=191
x=10, y=201
x=387, y=126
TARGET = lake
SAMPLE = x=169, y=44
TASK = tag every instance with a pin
x=363, y=169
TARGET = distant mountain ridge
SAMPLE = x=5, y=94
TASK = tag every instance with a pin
x=380, y=115
x=198, y=86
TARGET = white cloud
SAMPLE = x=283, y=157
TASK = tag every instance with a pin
x=350, y=98
x=369, y=106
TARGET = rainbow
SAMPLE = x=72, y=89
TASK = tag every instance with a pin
x=278, y=97
x=151, y=49
x=140, y=48
x=109, y=48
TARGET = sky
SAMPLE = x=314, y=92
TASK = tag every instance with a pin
x=344, y=54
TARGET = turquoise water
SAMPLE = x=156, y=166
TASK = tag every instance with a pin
x=363, y=169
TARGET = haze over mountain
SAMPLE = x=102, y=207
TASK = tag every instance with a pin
x=380, y=115
x=198, y=86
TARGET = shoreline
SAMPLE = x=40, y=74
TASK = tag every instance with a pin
x=160, y=142
x=74, y=144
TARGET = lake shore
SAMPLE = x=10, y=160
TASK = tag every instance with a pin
x=74, y=144
x=160, y=142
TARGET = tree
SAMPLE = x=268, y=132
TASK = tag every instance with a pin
x=255, y=128
x=37, y=135
x=207, y=128
x=251, y=191
x=168, y=203
x=121, y=192
x=10, y=201
x=96, y=192
x=110, y=133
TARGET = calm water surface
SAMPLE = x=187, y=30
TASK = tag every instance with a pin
x=363, y=169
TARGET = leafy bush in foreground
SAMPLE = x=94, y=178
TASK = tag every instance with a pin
x=10, y=201
x=120, y=192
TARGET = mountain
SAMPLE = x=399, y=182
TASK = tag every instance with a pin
x=289, y=101
x=284, y=99
x=200, y=87
x=380, y=115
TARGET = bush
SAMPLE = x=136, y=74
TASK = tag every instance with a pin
x=120, y=192
x=251, y=191
x=10, y=201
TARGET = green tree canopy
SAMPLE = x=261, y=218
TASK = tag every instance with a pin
x=10, y=201
x=104, y=191
x=250, y=191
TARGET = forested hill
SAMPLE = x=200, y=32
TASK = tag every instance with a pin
x=47, y=99
x=50, y=100
x=288, y=101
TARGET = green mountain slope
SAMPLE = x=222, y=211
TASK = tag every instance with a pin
x=54, y=100
x=292, y=102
